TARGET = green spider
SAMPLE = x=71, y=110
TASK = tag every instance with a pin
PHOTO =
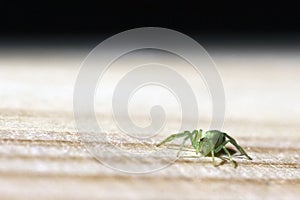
x=211, y=143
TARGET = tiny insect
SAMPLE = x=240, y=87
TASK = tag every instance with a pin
x=211, y=143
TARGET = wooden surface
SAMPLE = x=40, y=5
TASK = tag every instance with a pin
x=41, y=156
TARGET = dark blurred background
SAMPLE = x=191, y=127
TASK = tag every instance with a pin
x=26, y=20
x=52, y=17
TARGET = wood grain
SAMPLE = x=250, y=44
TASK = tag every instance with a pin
x=42, y=157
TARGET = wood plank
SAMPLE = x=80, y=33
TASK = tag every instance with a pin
x=42, y=157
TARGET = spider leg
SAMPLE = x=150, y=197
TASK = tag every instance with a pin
x=213, y=157
x=172, y=137
x=241, y=150
x=196, y=139
x=233, y=163
x=192, y=136
x=197, y=135
x=182, y=144
x=219, y=148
